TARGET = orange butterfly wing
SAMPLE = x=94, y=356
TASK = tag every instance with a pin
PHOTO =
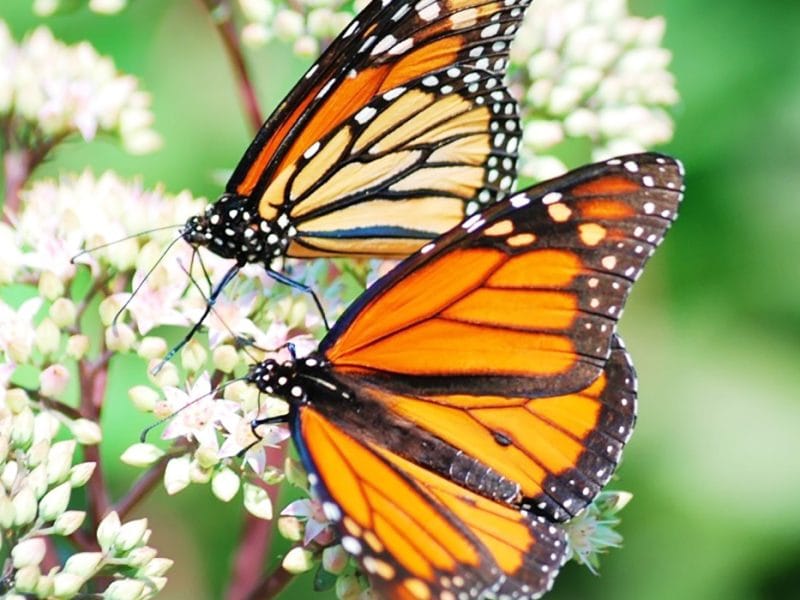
x=552, y=454
x=521, y=299
x=401, y=128
x=418, y=535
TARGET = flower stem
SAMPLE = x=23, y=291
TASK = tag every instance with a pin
x=143, y=486
x=271, y=585
x=220, y=13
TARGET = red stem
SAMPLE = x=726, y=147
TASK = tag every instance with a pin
x=17, y=167
x=93, y=380
x=271, y=585
x=143, y=486
x=230, y=38
x=255, y=544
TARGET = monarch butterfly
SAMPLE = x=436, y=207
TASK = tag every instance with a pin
x=477, y=396
x=401, y=128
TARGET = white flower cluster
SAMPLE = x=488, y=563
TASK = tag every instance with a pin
x=46, y=8
x=49, y=90
x=305, y=23
x=37, y=479
x=587, y=69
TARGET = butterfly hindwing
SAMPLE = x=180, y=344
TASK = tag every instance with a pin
x=521, y=299
x=418, y=535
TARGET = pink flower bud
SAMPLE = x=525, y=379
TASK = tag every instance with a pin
x=53, y=380
x=28, y=552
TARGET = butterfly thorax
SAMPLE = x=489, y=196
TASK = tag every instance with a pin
x=288, y=379
x=231, y=227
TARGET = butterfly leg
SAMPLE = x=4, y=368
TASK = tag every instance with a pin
x=281, y=278
x=209, y=305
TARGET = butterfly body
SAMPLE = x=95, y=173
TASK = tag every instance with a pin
x=478, y=396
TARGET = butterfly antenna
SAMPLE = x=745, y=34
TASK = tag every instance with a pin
x=125, y=239
x=281, y=278
x=141, y=283
x=219, y=388
x=212, y=299
x=204, y=270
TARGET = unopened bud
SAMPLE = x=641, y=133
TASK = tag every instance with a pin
x=38, y=453
x=59, y=461
x=53, y=380
x=291, y=528
x=83, y=564
x=130, y=535
x=157, y=567
x=257, y=502
x=63, y=313
x=86, y=432
x=25, y=580
x=199, y=474
x=120, y=337
x=109, y=308
x=45, y=426
x=44, y=587
x=167, y=375
x=48, y=337
x=68, y=522
x=67, y=585
x=77, y=346
x=37, y=481
x=79, y=474
x=8, y=476
x=55, y=502
x=143, y=397
x=176, y=475
x=50, y=286
x=306, y=46
x=28, y=553
x=6, y=512
x=140, y=557
x=193, y=356
x=141, y=455
x=298, y=560
x=225, y=358
x=22, y=431
x=124, y=589
x=107, y=530
x=152, y=347
x=335, y=559
x=17, y=400
x=24, y=504
x=225, y=484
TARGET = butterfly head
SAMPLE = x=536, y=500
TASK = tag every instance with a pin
x=232, y=228
x=277, y=379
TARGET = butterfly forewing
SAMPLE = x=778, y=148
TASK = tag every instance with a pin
x=400, y=129
x=403, y=170
x=522, y=298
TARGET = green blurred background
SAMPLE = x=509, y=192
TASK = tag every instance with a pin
x=714, y=325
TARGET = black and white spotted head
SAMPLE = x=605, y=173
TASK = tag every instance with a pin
x=231, y=227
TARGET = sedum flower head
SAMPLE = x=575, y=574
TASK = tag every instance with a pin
x=587, y=69
x=305, y=24
x=50, y=90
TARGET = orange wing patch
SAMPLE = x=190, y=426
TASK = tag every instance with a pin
x=559, y=450
x=417, y=535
